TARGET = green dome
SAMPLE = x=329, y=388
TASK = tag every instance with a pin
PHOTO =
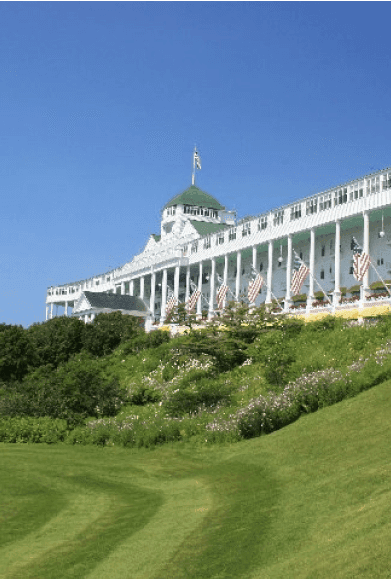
x=194, y=196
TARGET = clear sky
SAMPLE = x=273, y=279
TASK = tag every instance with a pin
x=101, y=104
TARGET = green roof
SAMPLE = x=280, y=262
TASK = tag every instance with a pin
x=205, y=228
x=194, y=196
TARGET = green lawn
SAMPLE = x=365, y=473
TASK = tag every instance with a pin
x=312, y=500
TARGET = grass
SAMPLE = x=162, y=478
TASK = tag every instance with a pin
x=312, y=500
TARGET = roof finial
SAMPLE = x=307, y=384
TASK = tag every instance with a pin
x=196, y=164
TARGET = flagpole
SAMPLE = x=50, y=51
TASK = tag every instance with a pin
x=380, y=277
x=193, y=173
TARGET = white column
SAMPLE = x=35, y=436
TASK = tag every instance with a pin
x=164, y=296
x=288, y=301
x=365, y=281
x=47, y=311
x=311, y=297
x=131, y=287
x=255, y=257
x=92, y=317
x=212, y=287
x=238, y=274
x=187, y=290
x=51, y=311
x=199, y=303
x=142, y=287
x=152, y=298
x=66, y=309
x=269, y=273
x=225, y=277
x=337, y=265
x=176, y=282
x=86, y=318
x=122, y=288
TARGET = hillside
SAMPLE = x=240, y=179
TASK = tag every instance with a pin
x=311, y=500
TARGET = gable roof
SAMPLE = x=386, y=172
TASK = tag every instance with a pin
x=205, y=228
x=194, y=196
x=115, y=301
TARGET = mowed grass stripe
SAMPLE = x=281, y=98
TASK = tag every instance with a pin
x=311, y=500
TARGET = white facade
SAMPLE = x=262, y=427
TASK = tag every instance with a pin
x=197, y=242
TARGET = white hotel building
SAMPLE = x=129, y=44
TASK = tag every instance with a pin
x=199, y=239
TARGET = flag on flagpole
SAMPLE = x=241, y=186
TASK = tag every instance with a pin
x=192, y=301
x=197, y=159
x=254, y=288
x=298, y=276
x=361, y=263
x=220, y=296
x=170, y=305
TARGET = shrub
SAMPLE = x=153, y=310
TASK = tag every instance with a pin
x=201, y=394
x=107, y=331
x=55, y=341
x=74, y=391
x=27, y=429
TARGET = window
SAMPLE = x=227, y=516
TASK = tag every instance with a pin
x=194, y=247
x=296, y=211
x=246, y=229
x=331, y=245
x=207, y=243
x=323, y=250
x=322, y=274
x=278, y=218
x=351, y=270
x=215, y=214
x=301, y=255
x=331, y=269
x=380, y=261
x=325, y=202
x=171, y=210
x=219, y=238
x=312, y=206
x=262, y=223
x=340, y=196
x=184, y=250
x=232, y=234
x=261, y=266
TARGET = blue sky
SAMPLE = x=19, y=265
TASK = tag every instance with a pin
x=101, y=104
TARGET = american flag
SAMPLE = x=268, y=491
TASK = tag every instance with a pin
x=298, y=278
x=361, y=263
x=171, y=303
x=197, y=159
x=254, y=287
x=191, y=304
x=220, y=296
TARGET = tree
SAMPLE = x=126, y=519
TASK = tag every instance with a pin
x=107, y=331
x=15, y=352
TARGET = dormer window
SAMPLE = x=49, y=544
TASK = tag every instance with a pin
x=171, y=210
x=246, y=229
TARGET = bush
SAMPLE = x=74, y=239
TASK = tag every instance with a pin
x=108, y=331
x=55, y=341
x=73, y=391
x=144, y=341
x=200, y=395
x=32, y=430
